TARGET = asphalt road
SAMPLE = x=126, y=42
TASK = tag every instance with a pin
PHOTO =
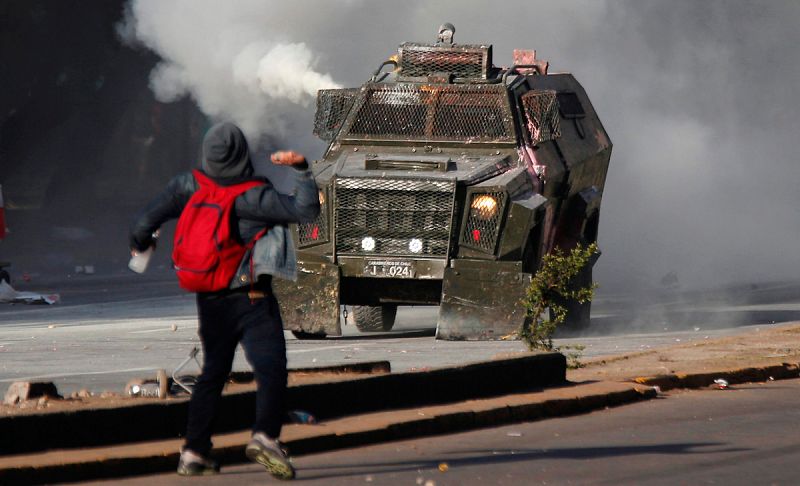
x=748, y=435
x=111, y=328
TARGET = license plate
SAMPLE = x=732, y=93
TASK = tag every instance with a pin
x=389, y=269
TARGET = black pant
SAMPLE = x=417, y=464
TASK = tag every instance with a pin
x=226, y=319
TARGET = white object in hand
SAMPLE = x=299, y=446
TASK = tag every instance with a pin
x=140, y=260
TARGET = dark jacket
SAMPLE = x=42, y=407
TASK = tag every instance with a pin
x=258, y=207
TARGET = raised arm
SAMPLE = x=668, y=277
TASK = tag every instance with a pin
x=266, y=204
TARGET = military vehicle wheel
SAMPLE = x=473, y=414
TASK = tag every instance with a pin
x=302, y=335
x=374, y=318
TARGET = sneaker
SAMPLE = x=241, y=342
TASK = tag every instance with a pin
x=270, y=454
x=193, y=464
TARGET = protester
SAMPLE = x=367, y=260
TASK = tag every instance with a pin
x=245, y=310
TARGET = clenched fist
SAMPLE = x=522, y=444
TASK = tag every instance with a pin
x=287, y=157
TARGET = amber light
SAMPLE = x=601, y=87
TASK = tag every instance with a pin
x=484, y=207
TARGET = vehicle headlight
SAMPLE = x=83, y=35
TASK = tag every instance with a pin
x=321, y=197
x=368, y=243
x=484, y=207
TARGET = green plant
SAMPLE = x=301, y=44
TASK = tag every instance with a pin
x=551, y=284
x=573, y=355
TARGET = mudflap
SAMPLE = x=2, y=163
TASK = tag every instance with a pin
x=578, y=315
x=311, y=304
x=482, y=300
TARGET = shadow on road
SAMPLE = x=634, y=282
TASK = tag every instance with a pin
x=499, y=456
x=411, y=333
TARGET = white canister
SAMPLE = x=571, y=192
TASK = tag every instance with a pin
x=140, y=260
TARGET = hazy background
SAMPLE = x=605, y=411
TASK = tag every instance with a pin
x=102, y=101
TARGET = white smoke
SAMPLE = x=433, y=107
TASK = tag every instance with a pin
x=698, y=98
x=228, y=58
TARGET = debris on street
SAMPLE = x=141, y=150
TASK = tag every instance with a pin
x=10, y=296
x=82, y=393
x=22, y=391
x=721, y=384
x=149, y=388
x=301, y=417
x=84, y=269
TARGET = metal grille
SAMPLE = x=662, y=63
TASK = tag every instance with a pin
x=481, y=232
x=333, y=105
x=315, y=232
x=408, y=111
x=541, y=112
x=420, y=60
x=393, y=212
x=475, y=113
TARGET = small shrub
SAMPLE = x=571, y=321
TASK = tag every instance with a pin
x=549, y=283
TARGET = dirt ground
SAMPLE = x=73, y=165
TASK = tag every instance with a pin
x=760, y=348
x=113, y=399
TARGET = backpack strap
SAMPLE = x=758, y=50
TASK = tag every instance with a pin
x=203, y=179
x=239, y=188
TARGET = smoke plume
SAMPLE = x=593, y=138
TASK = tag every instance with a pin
x=228, y=58
x=698, y=98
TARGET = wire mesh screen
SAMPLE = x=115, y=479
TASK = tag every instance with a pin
x=420, y=60
x=483, y=225
x=316, y=231
x=333, y=105
x=472, y=113
x=392, y=213
x=541, y=113
x=409, y=111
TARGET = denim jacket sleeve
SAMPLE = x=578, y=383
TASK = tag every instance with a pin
x=274, y=253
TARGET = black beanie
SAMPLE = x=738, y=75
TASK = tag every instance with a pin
x=225, y=152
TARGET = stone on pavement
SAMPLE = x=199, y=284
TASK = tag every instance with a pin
x=21, y=391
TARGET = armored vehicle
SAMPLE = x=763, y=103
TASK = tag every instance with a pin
x=445, y=181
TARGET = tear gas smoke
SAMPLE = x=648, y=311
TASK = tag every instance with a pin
x=698, y=98
x=226, y=57
x=695, y=96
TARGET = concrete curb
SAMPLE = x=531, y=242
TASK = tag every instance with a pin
x=162, y=456
x=344, y=433
x=153, y=419
x=702, y=380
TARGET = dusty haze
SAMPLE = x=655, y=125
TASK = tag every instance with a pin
x=699, y=99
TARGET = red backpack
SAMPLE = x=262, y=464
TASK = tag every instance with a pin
x=206, y=256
